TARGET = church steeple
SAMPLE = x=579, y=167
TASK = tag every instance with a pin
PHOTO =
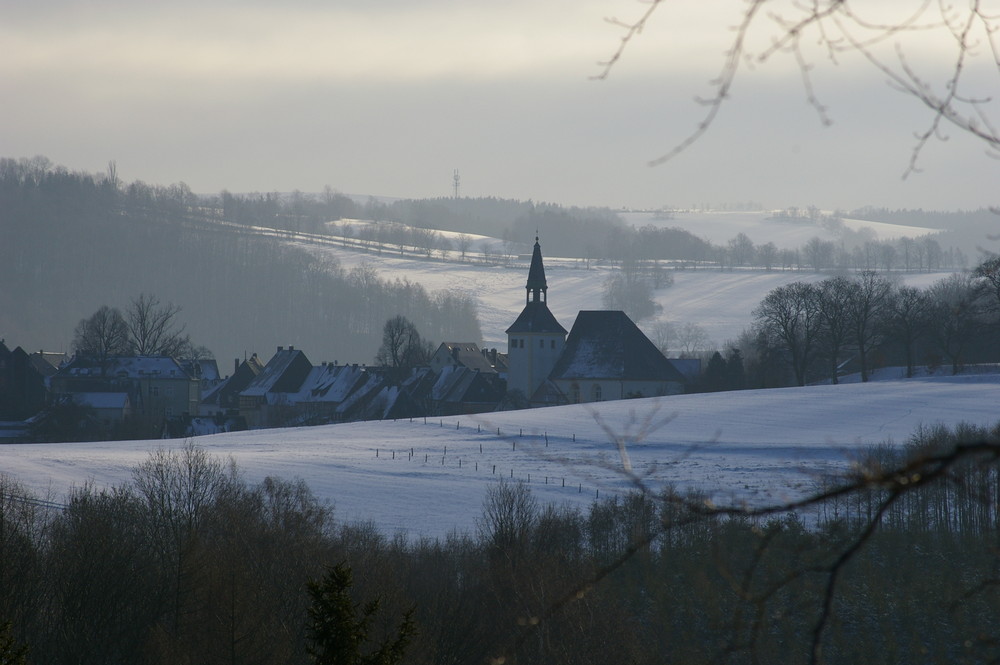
x=535, y=339
x=537, y=288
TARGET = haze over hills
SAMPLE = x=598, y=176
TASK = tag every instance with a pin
x=254, y=272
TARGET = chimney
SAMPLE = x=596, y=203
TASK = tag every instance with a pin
x=291, y=348
x=280, y=349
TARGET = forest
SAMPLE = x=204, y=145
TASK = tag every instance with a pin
x=894, y=561
x=74, y=242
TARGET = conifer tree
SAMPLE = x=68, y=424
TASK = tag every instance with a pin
x=339, y=633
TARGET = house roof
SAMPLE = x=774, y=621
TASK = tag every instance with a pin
x=283, y=373
x=47, y=362
x=608, y=345
x=465, y=354
x=133, y=367
x=535, y=318
x=240, y=379
x=333, y=383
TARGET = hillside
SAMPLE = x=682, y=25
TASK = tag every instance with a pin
x=75, y=242
x=758, y=446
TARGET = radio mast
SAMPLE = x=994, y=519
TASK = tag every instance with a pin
x=456, y=178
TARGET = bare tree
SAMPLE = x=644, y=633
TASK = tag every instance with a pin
x=463, y=242
x=835, y=324
x=102, y=335
x=153, y=329
x=767, y=255
x=628, y=290
x=789, y=317
x=691, y=339
x=819, y=253
x=908, y=318
x=769, y=28
x=988, y=275
x=402, y=346
x=741, y=249
x=867, y=302
x=955, y=316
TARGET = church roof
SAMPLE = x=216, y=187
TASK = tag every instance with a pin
x=608, y=345
x=536, y=273
x=536, y=318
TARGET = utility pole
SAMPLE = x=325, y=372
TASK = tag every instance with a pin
x=456, y=178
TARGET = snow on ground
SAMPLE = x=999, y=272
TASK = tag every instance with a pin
x=721, y=302
x=762, y=445
x=719, y=227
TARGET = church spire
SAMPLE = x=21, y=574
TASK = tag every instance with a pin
x=536, y=287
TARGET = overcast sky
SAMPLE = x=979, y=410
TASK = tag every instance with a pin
x=389, y=98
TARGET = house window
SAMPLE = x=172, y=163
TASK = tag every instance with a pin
x=154, y=391
x=169, y=392
x=596, y=392
x=553, y=345
x=541, y=343
x=575, y=393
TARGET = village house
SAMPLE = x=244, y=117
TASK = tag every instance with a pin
x=157, y=388
x=265, y=401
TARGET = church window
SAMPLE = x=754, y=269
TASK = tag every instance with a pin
x=541, y=343
x=575, y=390
x=596, y=390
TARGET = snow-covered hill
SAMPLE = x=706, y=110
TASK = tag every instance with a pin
x=429, y=478
x=721, y=302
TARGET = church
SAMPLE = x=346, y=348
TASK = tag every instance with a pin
x=605, y=356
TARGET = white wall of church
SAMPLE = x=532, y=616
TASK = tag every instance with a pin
x=530, y=359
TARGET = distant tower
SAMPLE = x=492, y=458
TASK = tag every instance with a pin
x=535, y=340
x=456, y=179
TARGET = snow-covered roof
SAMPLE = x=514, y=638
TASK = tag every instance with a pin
x=133, y=367
x=606, y=344
x=535, y=318
x=284, y=372
x=332, y=383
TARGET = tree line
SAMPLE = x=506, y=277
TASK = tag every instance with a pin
x=813, y=330
x=189, y=562
x=77, y=242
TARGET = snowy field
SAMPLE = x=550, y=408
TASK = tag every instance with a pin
x=428, y=479
x=720, y=302
x=718, y=227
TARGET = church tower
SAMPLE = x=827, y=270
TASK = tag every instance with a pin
x=535, y=340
